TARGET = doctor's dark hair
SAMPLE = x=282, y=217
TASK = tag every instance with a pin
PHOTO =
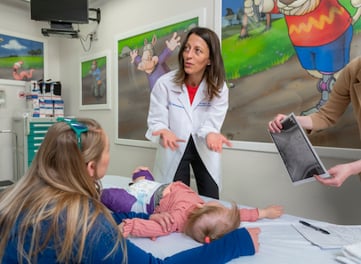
x=214, y=73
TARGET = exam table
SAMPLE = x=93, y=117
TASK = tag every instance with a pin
x=279, y=241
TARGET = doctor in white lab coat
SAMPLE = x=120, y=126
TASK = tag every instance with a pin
x=186, y=113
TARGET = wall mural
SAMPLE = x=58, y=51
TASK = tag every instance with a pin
x=95, y=87
x=286, y=60
x=21, y=59
x=143, y=56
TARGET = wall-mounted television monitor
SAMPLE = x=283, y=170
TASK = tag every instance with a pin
x=61, y=11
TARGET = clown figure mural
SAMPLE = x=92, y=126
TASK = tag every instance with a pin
x=321, y=32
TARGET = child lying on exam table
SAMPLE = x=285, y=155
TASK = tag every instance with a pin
x=188, y=212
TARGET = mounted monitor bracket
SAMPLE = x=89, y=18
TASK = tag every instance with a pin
x=65, y=29
x=60, y=29
x=97, y=13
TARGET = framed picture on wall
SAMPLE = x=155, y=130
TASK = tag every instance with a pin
x=280, y=64
x=142, y=56
x=22, y=58
x=95, y=81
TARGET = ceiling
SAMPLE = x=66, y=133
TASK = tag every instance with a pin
x=23, y=4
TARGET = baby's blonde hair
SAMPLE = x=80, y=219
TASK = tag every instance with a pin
x=210, y=222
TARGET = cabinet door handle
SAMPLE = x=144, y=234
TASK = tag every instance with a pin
x=42, y=125
x=40, y=131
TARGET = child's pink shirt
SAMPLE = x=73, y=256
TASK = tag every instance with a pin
x=179, y=202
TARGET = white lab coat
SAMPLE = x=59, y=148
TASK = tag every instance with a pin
x=170, y=108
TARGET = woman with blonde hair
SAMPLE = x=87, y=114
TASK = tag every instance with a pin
x=54, y=215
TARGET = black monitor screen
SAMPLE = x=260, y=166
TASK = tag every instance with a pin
x=70, y=11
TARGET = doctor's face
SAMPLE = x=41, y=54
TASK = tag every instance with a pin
x=195, y=55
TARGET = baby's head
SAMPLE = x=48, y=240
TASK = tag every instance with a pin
x=211, y=221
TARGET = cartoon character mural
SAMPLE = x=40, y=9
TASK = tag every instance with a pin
x=20, y=59
x=151, y=64
x=321, y=32
x=21, y=75
x=251, y=10
x=98, y=85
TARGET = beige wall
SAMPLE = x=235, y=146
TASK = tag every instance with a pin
x=253, y=173
x=15, y=20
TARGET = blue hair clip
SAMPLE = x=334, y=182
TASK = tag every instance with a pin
x=76, y=126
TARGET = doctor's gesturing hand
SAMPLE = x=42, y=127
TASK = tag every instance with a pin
x=215, y=141
x=168, y=138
